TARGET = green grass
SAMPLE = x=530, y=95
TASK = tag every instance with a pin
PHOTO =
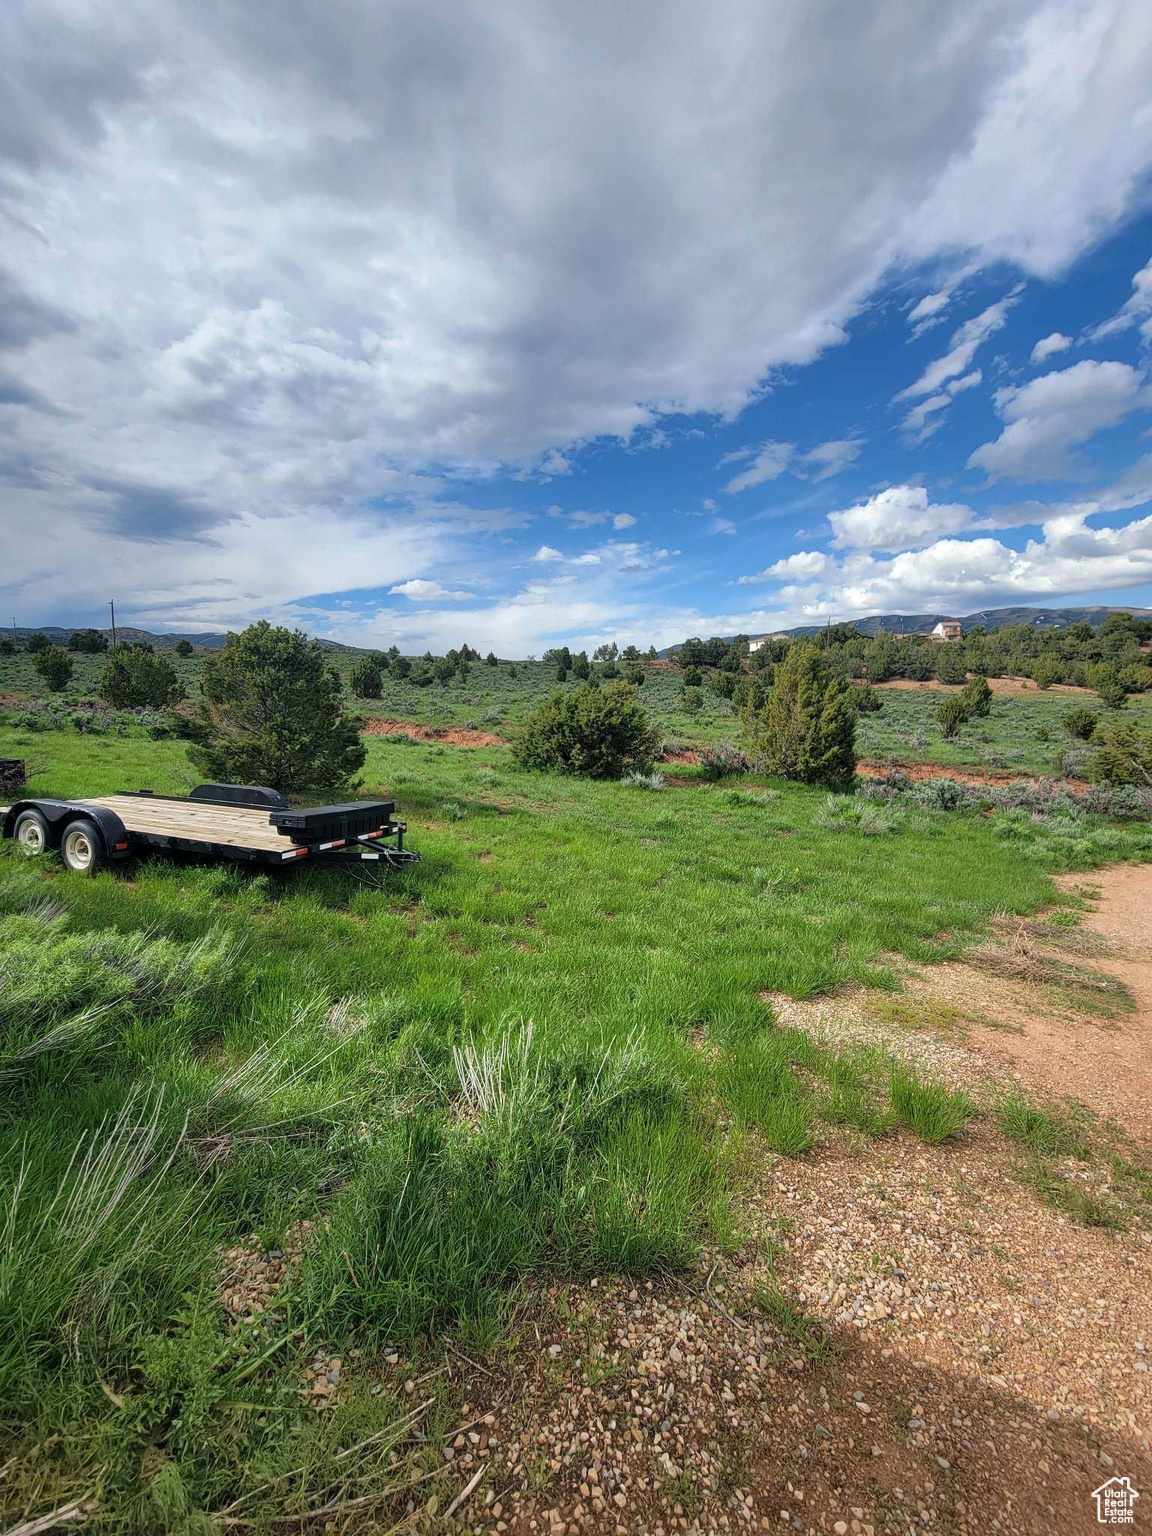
x=1120, y=1194
x=930, y=1110
x=1024, y=733
x=1038, y=1130
x=486, y=1065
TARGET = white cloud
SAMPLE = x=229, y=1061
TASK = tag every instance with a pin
x=419, y=590
x=545, y=554
x=808, y=565
x=924, y=417
x=828, y=459
x=1070, y=558
x=902, y=517
x=1046, y=154
x=969, y=381
x=768, y=462
x=293, y=271
x=930, y=307
x=1054, y=414
x=592, y=519
x=927, y=417
x=554, y=463
x=1048, y=346
x=1137, y=311
x=961, y=349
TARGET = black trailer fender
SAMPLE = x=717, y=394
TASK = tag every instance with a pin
x=58, y=813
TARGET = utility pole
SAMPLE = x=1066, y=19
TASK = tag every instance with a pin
x=112, y=609
x=14, y=629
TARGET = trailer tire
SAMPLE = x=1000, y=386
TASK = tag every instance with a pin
x=82, y=848
x=31, y=834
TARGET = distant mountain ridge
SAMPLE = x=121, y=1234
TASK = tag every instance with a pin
x=990, y=618
x=208, y=641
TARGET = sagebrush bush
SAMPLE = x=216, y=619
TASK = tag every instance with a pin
x=843, y=815
x=601, y=733
x=940, y=794
x=720, y=760
x=644, y=780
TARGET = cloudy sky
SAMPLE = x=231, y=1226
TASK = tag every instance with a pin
x=522, y=321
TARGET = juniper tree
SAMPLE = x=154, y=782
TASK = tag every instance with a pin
x=270, y=712
x=807, y=728
x=134, y=677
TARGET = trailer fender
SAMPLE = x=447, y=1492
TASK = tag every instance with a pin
x=58, y=813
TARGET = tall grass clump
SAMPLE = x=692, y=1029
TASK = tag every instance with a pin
x=61, y=991
x=759, y=1083
x=929, y=1110
x=1036, y=1129
x=95, y=1240
x=587, y=1152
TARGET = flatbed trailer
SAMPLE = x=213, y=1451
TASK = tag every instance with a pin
x=246, y=822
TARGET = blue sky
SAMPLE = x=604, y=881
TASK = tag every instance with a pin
x=506, y=323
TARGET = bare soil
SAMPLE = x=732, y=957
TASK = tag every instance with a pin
x=918, y=771
x=1009, y=685
x=448, y=735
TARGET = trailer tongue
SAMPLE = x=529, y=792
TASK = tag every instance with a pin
x=231, y=821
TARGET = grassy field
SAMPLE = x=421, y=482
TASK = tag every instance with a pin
x=1023, y=734
x=538, y=1051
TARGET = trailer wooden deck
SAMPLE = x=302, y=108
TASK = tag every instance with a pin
x=246, y=822
x=235, y=826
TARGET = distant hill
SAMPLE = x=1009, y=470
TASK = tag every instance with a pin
x=209, y=641
x=990, y=618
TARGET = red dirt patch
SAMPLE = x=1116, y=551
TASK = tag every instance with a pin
x=446, y=735
x=918, y=771
x=685, y=755
x=1012, y=685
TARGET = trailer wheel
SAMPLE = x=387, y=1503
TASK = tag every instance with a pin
x=31, y=833
x=81, y=848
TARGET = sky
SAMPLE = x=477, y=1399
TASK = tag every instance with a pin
x=525, y=323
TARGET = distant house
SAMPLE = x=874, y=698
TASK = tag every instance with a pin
x=948, y=629
x=777, y=634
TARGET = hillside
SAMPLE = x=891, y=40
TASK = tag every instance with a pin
x=990, y=618
x=163, y=641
